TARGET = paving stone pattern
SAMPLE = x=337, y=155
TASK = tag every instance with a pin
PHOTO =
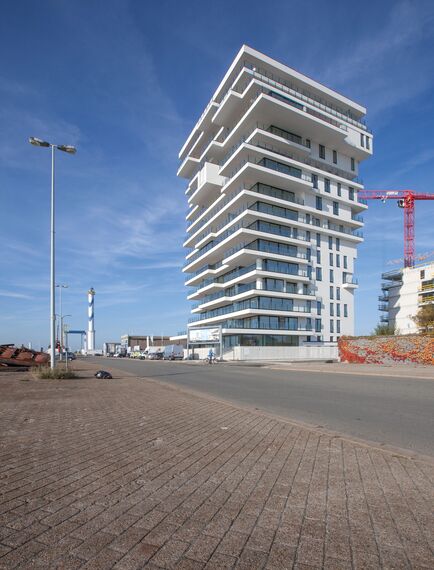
x=130, y=474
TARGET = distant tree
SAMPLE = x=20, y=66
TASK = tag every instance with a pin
x=383, y=330
x=425, y=319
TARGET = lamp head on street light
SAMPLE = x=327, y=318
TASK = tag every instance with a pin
x=38, y=142
x=67, y=148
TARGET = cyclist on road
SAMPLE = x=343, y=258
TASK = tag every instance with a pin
x=211, y=356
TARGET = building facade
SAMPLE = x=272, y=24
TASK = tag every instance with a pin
x=404, y=292
x=274, y=219
x=142, y=342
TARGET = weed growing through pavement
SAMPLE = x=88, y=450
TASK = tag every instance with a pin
x=57, y=373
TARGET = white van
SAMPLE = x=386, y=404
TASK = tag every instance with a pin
x=173, y=352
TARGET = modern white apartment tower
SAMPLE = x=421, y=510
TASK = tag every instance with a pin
x=274, y=219
x=405, y=291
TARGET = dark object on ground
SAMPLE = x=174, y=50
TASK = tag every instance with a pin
x=103, y=374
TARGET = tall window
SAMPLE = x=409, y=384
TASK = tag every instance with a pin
x=338, y=293
x=335, y=157
x=338, y=244
x=368, y=141
x=338, y=327
x=339, y=189
x=314, y=178
x=331, y=259
x=318, y=256
x=353, y=164
x=336, y=208
x=345, y=310
x=332, y=277
x=345, y=262
x=318, y=274
x=362, y=139
x=274, y=284
x=338, y=310
x=331, y=291
x=318, y=240
x=318, y=202
x=308, y=235
x=338, y=260
x=332, y=328
x=327, y=185
x=330, y=242
x=351, y=193
x=322, y=151
x=317, y=325
x=332, y=310
x=318, y=307
x=308, y=253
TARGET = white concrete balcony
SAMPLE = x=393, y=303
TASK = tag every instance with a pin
x=349, y=282
x=243, y=276
x=188, y=167
x=247, y=71
x=244, y=313
x=221, y=299
x=203, y=123
x=209, y=181
x=234, y=239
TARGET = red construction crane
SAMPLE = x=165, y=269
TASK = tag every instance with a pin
x=405, y=199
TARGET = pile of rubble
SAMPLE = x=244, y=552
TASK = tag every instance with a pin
x=10, y=355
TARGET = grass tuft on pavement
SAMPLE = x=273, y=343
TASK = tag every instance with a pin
x=58, y=373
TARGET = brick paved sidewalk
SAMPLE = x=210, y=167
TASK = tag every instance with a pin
x=129, y=474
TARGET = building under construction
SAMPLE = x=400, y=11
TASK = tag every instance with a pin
x=404, y=292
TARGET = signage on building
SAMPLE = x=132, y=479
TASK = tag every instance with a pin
x=204, y=335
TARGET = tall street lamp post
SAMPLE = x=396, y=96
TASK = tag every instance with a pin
x=70, y=150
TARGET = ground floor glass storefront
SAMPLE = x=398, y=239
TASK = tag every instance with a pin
x=229, y=341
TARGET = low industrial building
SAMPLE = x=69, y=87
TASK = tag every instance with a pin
x=110, y=348
x=143, y=342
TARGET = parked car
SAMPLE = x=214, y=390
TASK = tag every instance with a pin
x=155, y=356
x=173, y=352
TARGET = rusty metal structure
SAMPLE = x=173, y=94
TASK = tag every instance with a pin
x=10, y=355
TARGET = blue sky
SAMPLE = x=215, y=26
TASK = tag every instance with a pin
x=125, y=81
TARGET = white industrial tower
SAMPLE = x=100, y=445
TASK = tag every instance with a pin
x=91, y=323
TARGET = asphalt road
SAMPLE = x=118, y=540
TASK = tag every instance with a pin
x=388, y=410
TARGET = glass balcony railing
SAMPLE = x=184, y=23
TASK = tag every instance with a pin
x=240, y=289
x=258, y=303
x=264, y=325
x=264, y=76
x=291, y=137
x=344, y=230
x=350, y=280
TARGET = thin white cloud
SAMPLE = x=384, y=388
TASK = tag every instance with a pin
x=425, y=156
x=13, y=294
x=384, y=64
